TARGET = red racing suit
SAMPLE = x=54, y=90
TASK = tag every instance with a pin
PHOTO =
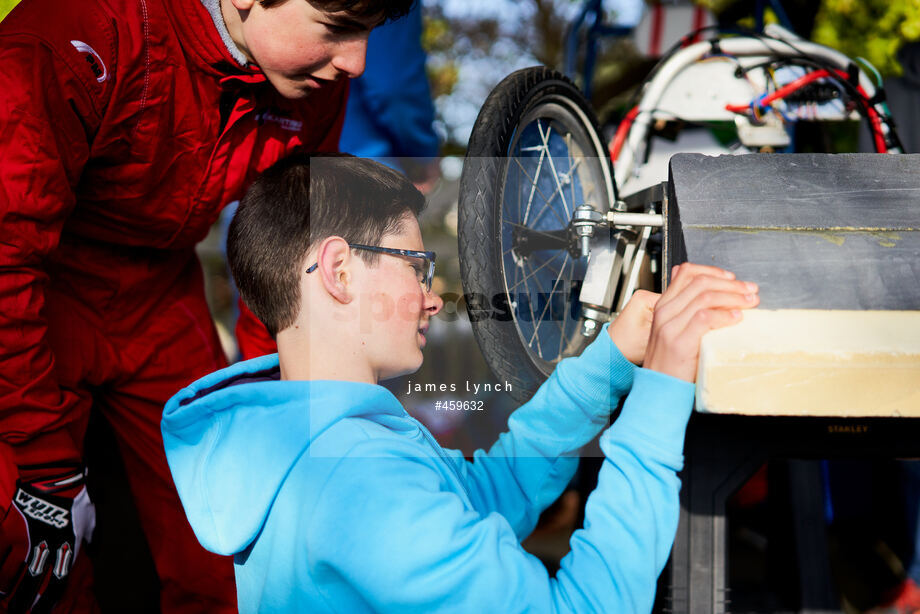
x=125, y=127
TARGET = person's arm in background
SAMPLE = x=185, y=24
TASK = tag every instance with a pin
x=390, y=112
x=51, y=104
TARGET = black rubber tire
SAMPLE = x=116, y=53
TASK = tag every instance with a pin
x=479, y=216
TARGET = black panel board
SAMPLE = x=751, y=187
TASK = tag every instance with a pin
x=816, y=231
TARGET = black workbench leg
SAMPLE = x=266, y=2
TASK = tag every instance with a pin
x=806, y=490
x=714, y=469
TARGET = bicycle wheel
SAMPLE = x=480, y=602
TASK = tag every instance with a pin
x=535, y=154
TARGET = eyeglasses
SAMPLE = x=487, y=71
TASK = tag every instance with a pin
x=424, y=273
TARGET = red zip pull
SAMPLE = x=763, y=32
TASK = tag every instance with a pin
x=231, y=81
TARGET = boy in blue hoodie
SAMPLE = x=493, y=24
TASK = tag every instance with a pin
x=333, y=499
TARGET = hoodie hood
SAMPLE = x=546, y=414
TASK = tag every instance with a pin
x=232, y=437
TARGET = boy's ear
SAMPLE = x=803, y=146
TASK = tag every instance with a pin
x=335, y=261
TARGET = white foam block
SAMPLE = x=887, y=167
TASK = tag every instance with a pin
x=795, y=362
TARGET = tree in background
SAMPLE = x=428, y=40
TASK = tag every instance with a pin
x=6, y=6
x=873, y=29
x=474, y=44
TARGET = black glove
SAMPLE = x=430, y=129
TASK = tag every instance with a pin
x=49, y=517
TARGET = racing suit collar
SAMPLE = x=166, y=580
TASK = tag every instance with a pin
x=203, y=45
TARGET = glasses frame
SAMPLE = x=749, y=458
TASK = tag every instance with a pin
x=427, y=257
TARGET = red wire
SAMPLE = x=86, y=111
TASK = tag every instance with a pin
x=616, y=145
x=874, y=119
x=781, y=92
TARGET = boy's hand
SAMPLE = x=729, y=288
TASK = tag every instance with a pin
x=699, y=299
x=630, y=330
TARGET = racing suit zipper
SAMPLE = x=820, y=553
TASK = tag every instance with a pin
x=236, y=104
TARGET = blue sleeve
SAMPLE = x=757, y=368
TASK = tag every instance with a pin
x=390, y=111
x=531, y=464
x=388, y=536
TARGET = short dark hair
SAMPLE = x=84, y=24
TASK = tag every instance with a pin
x=296, y=204
x=388, y=9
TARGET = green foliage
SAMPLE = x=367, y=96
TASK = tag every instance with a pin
x=873, y=29
x=437, y=40
x=6, y=6
x=716, y=6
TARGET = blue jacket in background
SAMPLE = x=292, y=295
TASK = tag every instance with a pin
x=333, y=499
x=390, y=112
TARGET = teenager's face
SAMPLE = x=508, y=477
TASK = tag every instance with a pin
x=396, y=309
x=300, y=48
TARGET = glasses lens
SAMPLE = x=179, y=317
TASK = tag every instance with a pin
x=429, y=275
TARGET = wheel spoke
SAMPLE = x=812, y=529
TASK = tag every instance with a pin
x=565, y=313
x=520, y=195
x=536, y=280
x=533, y=319
x=520, y=192
x=550, y=298
x=533, y=186
x=568, y=149
x=572, y=167
x=531, y=274
x=547, y=201
x=552, y=166
x=533, y=183
x=553, y=195
x=546, y=204
x=518, y=271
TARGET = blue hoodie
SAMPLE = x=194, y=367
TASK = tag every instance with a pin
x=333, y=499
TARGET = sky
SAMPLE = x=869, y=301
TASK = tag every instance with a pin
x=478, y=75
x=628, y=11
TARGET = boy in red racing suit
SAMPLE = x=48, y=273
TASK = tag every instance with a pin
x=125, y=126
